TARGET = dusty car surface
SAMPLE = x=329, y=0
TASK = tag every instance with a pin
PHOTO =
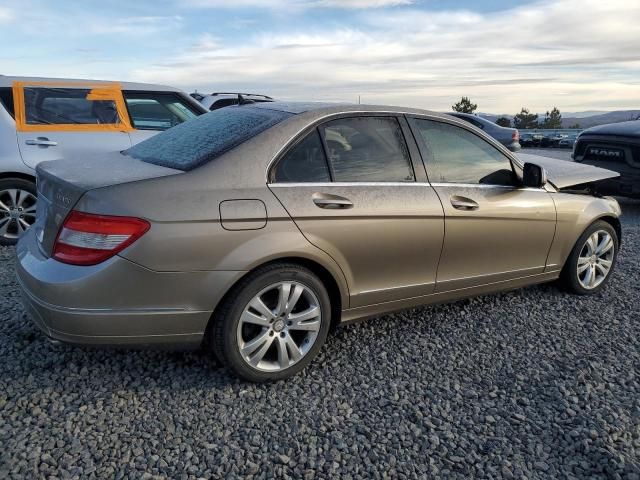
x=45, y=119
x=253, y=229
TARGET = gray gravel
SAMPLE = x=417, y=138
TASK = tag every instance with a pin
x=529, y=384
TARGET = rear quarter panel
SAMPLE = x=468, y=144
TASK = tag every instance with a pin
x=186, y=232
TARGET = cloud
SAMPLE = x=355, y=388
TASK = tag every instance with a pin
x=6, y=15
x=539, y=55
x=299, y=4
x=143, y=25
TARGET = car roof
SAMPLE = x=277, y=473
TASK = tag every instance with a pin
x=7, y=81
x=322, y=109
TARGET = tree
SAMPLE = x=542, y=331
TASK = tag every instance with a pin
x=575, y=125
x=553, y=119
x=524, y=119
x=464, y=106
x=503, y=122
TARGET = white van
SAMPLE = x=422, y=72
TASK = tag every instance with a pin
x=52, y=118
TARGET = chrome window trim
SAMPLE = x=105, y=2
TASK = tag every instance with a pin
x=401, y=184
x=348, y=184
x=473, y=185
x=318, y=121
x=397, y=113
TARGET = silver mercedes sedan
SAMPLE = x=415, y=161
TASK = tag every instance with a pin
x=255, y=228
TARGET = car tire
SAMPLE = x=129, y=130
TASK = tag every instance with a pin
x=280, y=344
x=575, y=276
x=10, y=228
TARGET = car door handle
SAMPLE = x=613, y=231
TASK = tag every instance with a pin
x=463, y=203
x=41, y=142
x=331, y=201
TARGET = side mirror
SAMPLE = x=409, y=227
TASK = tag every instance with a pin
x=534, y=176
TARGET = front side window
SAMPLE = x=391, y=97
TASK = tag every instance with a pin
x=305, y=162
x=157, y=111
x=367, y=149
x=455, y=155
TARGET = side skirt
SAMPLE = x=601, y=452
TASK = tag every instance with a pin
x=362, y=313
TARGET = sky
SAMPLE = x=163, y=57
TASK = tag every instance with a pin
x=574, y=54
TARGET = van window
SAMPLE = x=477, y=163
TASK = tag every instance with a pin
x=157, y=110
x=6, y=100
x=67, y=106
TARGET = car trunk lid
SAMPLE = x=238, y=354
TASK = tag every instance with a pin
x=62, y=183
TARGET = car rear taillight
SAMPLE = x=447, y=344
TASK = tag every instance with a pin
x=88, y=239
x=515, y=135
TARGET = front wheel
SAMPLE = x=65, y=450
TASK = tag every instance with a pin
x=273, y=323
x=592, y=259
x=17, y=208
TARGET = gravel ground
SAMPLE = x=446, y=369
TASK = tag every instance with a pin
x=529, y=384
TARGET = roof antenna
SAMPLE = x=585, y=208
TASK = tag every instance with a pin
x=244, y=101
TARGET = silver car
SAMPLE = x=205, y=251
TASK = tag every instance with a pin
x=51, y=118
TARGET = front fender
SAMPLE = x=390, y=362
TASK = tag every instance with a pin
x=574, y=214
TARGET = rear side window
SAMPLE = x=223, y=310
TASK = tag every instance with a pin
x=68, y=106
x=206, y=137
x=157, y=111
x=6, y=99
x=367, y=149
x=304, y=163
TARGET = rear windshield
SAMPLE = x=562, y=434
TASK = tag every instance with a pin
x=198, y=141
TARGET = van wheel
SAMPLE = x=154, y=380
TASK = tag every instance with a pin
x=18, y=199
x=592, y=260
x=273, y=323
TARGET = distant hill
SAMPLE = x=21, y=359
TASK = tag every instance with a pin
x=601, y=119
x=585, y=119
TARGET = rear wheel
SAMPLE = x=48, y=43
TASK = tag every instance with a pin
x=273, y=323
x=592, y=259
x=17, y=208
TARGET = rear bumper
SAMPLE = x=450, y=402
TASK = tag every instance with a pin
x=513, y=146
x=117, y=302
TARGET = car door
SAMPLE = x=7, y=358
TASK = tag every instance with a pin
x=351, y=187
x=154, y=112
x=55, y=120
x=495, y=229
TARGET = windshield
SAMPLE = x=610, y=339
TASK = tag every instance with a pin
x=198, y=141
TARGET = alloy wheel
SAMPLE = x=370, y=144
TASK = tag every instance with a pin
x=595, y=259
x=279, y=326
x=17, y=212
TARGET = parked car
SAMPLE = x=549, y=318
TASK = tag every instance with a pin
x=568, y=140
x=220, y=100
x=253, y=229
x=509, y=137
x=531, y=140
x=47, y=118
x=614, y=146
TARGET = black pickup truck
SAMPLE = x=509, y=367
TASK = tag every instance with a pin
x=615, y=147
